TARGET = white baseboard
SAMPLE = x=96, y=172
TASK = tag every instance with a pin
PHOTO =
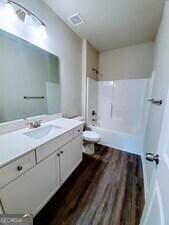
x=144, y=176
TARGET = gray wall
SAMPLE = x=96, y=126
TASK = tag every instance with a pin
x=64, y=43
x=127, y=63
x=92, y=61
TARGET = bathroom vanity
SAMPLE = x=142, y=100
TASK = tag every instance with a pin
x=34, y=163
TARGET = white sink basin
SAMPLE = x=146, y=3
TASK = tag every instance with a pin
x=43, y=131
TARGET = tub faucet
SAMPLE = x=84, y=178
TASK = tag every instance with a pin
x=94, y=114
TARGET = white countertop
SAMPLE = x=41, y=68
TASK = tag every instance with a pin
x=15, y=144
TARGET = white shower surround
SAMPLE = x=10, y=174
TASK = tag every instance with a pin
x=122, y=110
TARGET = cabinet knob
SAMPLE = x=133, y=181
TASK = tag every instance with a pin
x=19, y=168
x=61, y=152
x=58, y=154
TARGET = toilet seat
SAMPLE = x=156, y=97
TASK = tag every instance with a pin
x=91, y=136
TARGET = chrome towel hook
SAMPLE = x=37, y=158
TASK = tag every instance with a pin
x=157, y=102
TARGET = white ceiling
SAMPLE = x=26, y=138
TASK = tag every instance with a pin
x=111, y=24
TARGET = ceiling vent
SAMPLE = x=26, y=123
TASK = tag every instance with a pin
x=76, y=19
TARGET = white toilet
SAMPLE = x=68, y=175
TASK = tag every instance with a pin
x=89, y=139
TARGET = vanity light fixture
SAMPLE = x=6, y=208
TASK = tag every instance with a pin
x=12, y=8
x=8, y=10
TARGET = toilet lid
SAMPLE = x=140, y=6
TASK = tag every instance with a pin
x=91, y=136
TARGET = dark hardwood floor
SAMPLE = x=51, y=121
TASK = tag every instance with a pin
x=106, y=189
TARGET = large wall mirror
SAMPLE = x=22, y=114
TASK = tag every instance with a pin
x=29, y=79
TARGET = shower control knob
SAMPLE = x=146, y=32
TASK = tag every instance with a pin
x=19, y=168
x=152, y=158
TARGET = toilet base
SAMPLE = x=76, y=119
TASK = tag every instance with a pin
x=88, y=148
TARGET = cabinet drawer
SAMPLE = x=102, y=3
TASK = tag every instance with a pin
x=78, y=130
x=48, y=148
x=16, y=168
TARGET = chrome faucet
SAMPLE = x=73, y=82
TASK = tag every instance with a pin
x=35, y=124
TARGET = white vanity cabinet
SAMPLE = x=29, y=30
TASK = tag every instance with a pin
x=31, y=191
x=70, y=158
x=27, y=184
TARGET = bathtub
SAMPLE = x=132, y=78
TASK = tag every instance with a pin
x=132, y=143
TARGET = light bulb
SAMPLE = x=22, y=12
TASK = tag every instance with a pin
x=8, y=12
x=42, y=32
x=39, y=33
x=8, y=17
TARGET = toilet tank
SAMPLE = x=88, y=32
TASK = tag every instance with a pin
x=79, y=118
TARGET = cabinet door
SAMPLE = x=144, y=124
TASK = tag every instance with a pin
x=30, y=192
x=70, y=157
